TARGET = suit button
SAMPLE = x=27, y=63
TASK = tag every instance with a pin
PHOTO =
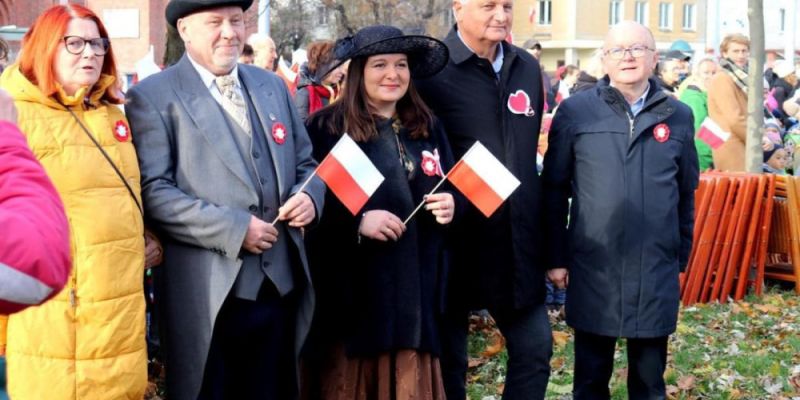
x=253, y=208
x=263, y=181
x=256, y=154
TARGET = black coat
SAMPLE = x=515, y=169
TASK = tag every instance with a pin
x=379, y=296
x=496, y=260
x=631, y=217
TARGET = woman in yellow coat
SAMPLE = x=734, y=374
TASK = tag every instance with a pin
x=88, y=342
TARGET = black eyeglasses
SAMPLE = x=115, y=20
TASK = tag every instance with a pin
x=76, y=45
x=618, y=53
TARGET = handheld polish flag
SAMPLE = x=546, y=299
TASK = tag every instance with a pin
x=712, y=134
x=483, y=179
x=349, y=174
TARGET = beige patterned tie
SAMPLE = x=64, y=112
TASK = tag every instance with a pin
x=233, y=102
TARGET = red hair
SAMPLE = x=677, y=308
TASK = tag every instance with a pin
x=45, y=38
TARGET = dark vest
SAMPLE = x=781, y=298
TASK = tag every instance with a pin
x=274, y=263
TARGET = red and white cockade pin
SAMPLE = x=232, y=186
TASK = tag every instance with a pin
x=430, y=163
x=121, y=131
x=661, y=133
x=279, y=132
x=520, y=103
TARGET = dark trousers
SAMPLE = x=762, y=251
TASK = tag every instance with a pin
x=530, y=345
x=252, y=349
x=594, y=364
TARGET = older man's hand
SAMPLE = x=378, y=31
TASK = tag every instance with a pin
x=298, y=210
x=260, y=236
x=559, y=277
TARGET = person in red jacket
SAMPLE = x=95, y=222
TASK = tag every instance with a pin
x=34, y=235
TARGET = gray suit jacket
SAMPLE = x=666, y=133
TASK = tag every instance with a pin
x=198, y=193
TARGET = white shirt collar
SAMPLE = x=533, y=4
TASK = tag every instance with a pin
x=208, y=77
x=497, y=64
x=637, y=105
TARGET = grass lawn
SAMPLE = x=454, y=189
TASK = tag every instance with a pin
x=747, y=350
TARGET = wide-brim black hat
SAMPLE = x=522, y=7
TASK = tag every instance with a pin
x=426, y=55
x=177, y=9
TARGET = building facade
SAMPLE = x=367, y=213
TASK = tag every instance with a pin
x=133, y=26
x=781, y=20
x=571, y=30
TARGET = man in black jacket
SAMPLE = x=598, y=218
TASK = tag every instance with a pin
x=624, y=152
x=496, y=260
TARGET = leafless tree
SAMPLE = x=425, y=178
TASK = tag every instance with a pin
x=755, y=83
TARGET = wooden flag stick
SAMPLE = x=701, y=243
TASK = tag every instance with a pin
x=422, y=203
x=303, y=186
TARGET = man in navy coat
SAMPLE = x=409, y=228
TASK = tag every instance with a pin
x=491, y=91
x=624, y=152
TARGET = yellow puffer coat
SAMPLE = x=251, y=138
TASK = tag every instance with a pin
x=88, y=342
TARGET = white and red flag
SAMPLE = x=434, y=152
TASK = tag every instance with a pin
x=483, y=179
x=349, y=174
x=712, y=134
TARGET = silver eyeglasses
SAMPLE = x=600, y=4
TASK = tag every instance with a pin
x=76, y=45
x=618, y=53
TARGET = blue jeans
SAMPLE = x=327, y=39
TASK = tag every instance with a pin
x=530, y=345
x=555, y=295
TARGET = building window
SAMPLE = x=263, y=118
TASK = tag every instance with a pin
x=640, y=12
x=544, y=12
x=615, y=12
x=688, y=17
x=322, y=15
x=783, y=19
x=665, y=16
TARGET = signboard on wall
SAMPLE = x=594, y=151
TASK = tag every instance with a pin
x=122, y=23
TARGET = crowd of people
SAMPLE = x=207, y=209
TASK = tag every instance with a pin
x=267, y=286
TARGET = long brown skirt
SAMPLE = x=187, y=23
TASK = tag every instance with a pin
x=401, y=375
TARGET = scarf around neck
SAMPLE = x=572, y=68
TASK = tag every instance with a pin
x=738, y=74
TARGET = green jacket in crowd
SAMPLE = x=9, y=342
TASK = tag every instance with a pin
x=697, y=100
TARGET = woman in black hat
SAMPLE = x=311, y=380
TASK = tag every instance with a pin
x=379, y=281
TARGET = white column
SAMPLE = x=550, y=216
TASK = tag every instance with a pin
x=570, y=56
x=789, y=35
x=714, y=26
x=263, y=16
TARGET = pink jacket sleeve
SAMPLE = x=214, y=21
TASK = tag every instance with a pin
x=34, y=235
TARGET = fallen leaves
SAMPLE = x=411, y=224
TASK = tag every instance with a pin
x=686, y=382
x=767, y=308
x=737, y=351
x=497, y=344
x=560, y=338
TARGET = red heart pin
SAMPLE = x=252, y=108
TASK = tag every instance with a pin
x=519, y=102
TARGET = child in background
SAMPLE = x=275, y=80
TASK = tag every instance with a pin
x=790, y=142
x=773, y=131
x=775, y=160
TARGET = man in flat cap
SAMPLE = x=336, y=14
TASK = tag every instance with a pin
x=223, y=154
x=672, y=70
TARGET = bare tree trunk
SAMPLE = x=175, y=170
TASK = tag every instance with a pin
x=342, y=11
x=175, y=47
x=754, y=154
